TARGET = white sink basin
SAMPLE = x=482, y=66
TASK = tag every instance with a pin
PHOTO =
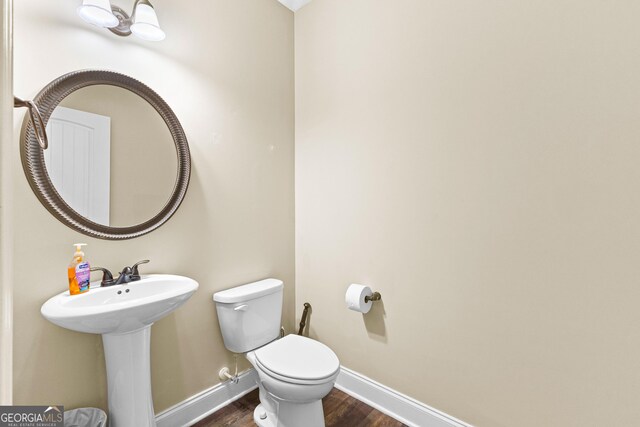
x=121, y=308
x=124, y=314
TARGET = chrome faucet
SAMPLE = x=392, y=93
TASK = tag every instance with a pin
x=127, y=275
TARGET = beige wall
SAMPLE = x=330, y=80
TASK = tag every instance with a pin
x=477, y=163
x=226, y=69
x=473, y=161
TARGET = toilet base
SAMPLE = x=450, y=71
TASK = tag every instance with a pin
x=258, y=415
x=289, y=414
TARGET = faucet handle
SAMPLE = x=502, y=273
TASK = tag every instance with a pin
x=107, y=277
x=134, y=270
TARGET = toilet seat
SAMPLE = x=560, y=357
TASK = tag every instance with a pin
x=299, y=360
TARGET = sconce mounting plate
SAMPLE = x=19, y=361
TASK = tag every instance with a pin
x=124, y=22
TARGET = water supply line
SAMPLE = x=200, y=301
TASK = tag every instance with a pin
x=303, y=321
x=225, y=375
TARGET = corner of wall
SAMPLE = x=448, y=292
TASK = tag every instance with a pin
x=7, y=150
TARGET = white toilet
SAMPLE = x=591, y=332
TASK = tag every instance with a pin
x=294, y=372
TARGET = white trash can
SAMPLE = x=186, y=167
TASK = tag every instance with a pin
x=85, y=417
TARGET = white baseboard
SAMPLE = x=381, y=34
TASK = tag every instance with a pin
x=386, y=400
x=203, y=404
x=396, y=405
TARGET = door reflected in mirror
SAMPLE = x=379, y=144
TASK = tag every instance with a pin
x=111, y=156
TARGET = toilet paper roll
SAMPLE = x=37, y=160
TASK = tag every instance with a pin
x=355, y=298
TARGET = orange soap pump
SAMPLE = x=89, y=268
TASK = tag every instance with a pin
x=79, y=271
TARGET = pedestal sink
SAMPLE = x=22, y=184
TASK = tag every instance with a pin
x=123, y=314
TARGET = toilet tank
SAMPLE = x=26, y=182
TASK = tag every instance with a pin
x=250, y=315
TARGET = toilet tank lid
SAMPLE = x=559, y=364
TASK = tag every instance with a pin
x=249, y=291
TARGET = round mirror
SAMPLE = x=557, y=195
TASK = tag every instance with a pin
x=118, y=163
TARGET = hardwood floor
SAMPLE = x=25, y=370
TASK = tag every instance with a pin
x=340, y=410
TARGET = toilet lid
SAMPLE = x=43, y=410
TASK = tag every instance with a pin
x=299, y=358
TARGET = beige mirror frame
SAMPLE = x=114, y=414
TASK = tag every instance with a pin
x=35, y=170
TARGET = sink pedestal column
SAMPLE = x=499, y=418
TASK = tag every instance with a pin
x=129, y=378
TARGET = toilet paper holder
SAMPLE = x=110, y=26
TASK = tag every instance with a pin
x=374, y=297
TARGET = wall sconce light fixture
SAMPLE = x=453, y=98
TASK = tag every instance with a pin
x=143, y=22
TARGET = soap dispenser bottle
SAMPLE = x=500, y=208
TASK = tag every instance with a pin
x=79, y=272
